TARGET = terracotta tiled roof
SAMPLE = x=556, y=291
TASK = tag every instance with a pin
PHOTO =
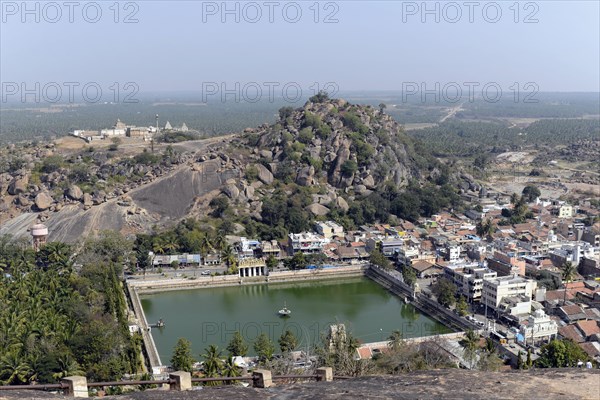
x=364, y=352
x=553, y=295
x=422, y=265
x=592, y=349
x=575, y=285
x=572, y=309
x=588, y=328
x=570, y=332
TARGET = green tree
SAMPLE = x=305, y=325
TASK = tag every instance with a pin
x=231, y=370
x=485, y=229
x=481, y=161
x=182, y=359
x=520, y=364
x=409, y=275
x=462, y=306
x=445, y=291
x=530, y=193
x=264, y=347
x=470, y=344
x=377, y=258
x=287, y=342
x=237, y=346
x=560, y=354
x=395, y=340
x=320, y=97
x=348, y=168
x=298, y=261
x=213, y=363
x=228, y=256
x=568, y=272
x=271, y=262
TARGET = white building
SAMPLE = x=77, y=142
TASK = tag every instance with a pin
x=539, y=327
x=495, y=290
x=452, y=252
x=329, y=229
x=307, y=242
x=248, y=247
x=572, y=253
x=119, y=129
x=565, y=211
x=469, y=278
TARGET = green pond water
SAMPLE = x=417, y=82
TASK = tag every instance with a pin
x=212, y=315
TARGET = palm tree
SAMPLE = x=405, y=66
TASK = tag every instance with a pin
x=14, y=369
x=395, y=340
x=205, y=245
x=67, y=367
x=158, y=246
x=228, y=255
x=213, y=364
x=470, y=343
x=220, y=242
x=231, y=370
x=568, y=273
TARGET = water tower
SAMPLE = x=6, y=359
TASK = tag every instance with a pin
x=39, y=233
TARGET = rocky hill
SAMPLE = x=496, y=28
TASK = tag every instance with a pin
x=343, y=145
x=328, y=158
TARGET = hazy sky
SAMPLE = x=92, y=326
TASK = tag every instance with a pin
x=374, y=45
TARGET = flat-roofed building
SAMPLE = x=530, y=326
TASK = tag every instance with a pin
x=307, y=243
x=329, y=229
x=496, y=289
x=469, y=278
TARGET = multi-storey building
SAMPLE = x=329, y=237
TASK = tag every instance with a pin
x=329, y=229
x=495, y=290
x=468, y=278
x=307, y=243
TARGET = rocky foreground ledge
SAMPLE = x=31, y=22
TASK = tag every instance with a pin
x=441, y=384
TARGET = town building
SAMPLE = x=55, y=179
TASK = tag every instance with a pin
x=390, y=247
x=270, y=248
x=251, y=267
x=163, y=260
x=539, y=327
x=329, y=229
x=425, y=269
x=496, y=290
x=306, y=242
x=248, y=248
x=506, y=264
x=572, y=252
x=468, y=278
x=119, y=129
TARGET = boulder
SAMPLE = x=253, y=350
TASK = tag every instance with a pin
x=264, y=174
x=231, y=191
x=306, y=176
x=369, y=182
x=318, y=209
x=361, y=190
x=75, y=193
x=87, y=200
x=249, y=192
x=268, y=154
x=23, y=201
x=18, y=186
x=342, y=204
x=43, y=201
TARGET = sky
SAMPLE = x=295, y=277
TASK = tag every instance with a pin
x=162, y=46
